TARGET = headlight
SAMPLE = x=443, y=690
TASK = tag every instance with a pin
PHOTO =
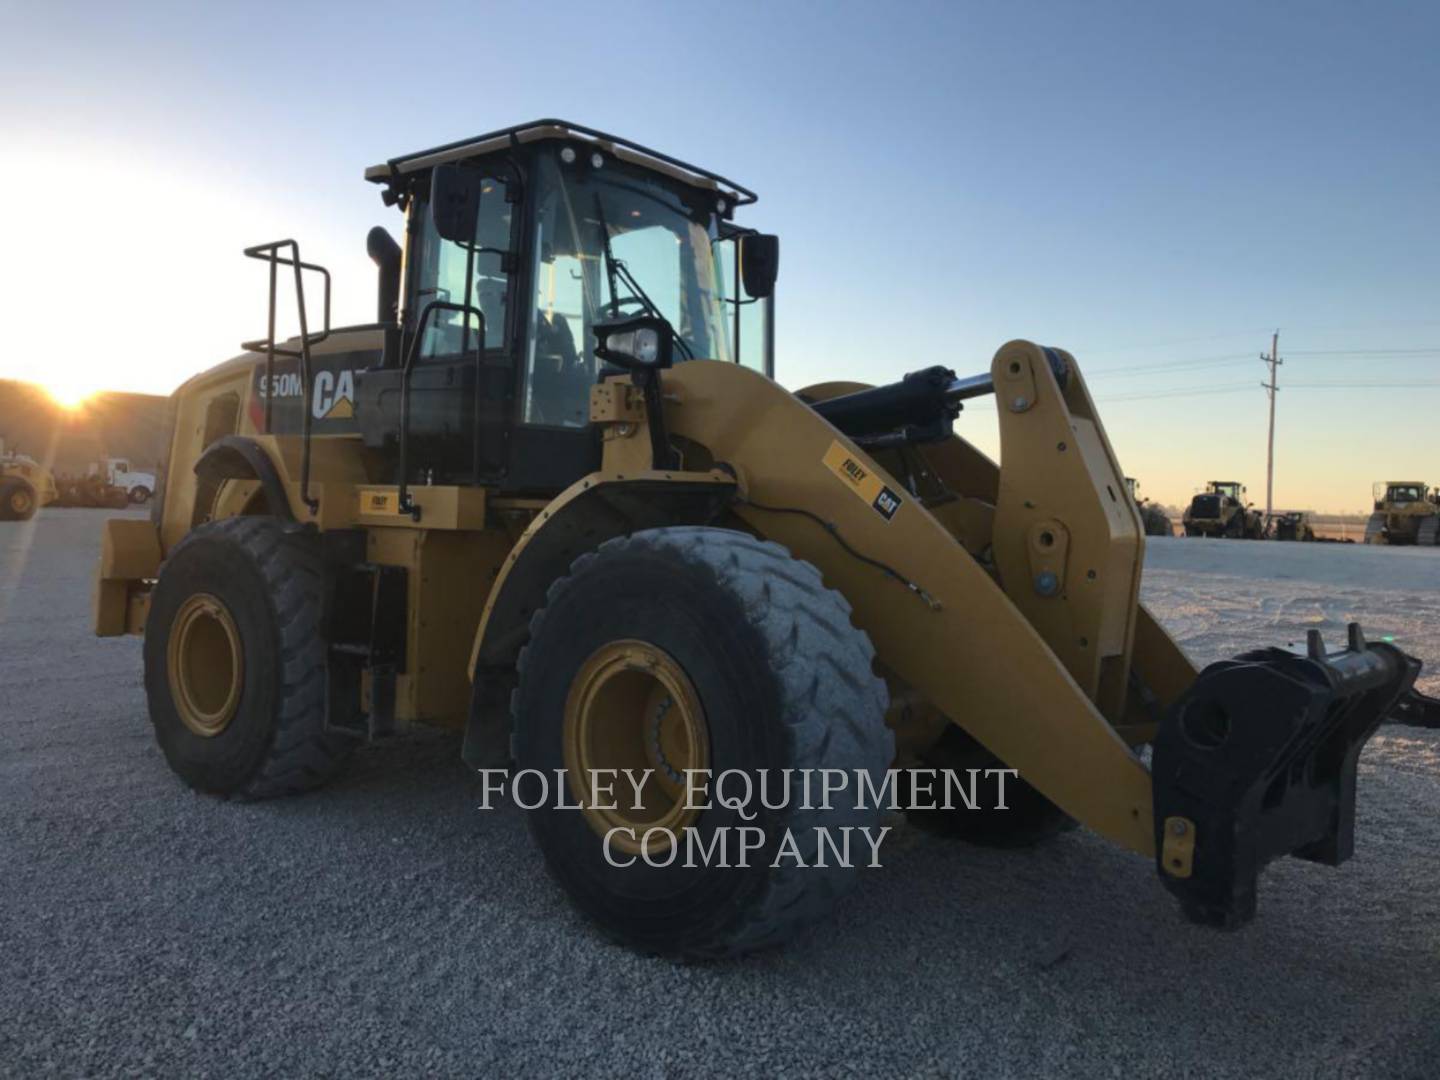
x=644, y=341
x=642, y=346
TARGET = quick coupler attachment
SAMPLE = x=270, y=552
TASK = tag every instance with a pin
x=1257, y=760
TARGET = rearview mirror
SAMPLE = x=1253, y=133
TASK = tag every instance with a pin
x=455, y=202
x=759, y=264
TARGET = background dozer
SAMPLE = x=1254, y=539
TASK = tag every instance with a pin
x=1221, y=510
x=25, y=485
x=552, y=499
x=1406, y=512
x=1154, y=520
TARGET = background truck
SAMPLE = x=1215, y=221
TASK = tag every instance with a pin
x=117, y=472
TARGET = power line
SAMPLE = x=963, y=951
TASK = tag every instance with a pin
x=1366, y=352
x=1186, y=391
x=1239, y=388
x=1416, y=385
x=1162, y=366
x=1179, y=341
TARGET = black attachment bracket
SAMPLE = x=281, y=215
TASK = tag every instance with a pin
x=1415, y=709
x=1258, y=760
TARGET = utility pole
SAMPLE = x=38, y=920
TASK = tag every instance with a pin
x=1274, y=361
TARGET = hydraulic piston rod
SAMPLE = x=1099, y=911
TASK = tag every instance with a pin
x=917, y=408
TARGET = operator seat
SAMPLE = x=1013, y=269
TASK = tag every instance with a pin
x=560, y=385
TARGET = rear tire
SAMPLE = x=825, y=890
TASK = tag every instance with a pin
x=139, y=494
x=782, y=679
x=238, y=699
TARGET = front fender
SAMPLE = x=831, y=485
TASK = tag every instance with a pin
x=591, y=511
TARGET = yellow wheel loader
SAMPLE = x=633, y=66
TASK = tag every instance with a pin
x=1406, y=512
x=553, y=499
x=25, y=485
x=1221, y=511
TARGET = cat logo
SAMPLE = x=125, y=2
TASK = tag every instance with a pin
x=334, y=397
x=859, y=479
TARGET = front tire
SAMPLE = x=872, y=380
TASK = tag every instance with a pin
x=139, y=494
x=17, y=500
x=235, y=664
x=710, y=649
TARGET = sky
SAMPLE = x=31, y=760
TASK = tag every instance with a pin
x=1154, y=187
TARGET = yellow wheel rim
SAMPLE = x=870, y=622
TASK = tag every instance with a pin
x=206, y=665
x=20, y=501
x=631, y=706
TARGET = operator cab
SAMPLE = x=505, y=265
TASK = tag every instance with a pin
x=518, y=246
x=1400, y=491
x=1228, y=489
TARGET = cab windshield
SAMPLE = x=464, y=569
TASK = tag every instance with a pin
x=610, y=243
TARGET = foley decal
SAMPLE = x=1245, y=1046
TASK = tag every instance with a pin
x=379, y=503
x=861, y=479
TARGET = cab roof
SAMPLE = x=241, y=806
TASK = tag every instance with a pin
x=391, y=171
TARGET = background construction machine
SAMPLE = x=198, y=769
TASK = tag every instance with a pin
x=90, y=490
x=1406, y=512
x=1221, y=510
x=1156, y=521
x=1291, y=525
x=25, y=485
x=552, y=499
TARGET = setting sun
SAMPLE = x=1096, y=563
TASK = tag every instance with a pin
x=68, y=394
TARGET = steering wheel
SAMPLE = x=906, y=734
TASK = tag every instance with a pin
x=613, y=309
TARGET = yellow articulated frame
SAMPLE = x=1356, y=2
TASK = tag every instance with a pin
x=953, y=634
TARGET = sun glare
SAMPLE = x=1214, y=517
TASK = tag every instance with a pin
x=68, y=397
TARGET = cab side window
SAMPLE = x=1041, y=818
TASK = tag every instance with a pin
x=442, y=273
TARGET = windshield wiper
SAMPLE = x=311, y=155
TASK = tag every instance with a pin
x=614, y=268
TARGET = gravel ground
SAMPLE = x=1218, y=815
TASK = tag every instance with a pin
x=384, y=925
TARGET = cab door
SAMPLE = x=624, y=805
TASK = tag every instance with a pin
x=462, y=387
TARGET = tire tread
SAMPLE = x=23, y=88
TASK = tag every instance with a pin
x=301, y=754
x=832, y=703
